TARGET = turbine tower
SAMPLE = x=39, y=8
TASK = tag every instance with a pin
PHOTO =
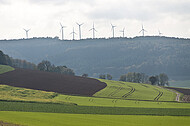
x=79, y=29
x=62, y=27
x=159, y=33
x=73, y=33
x=112, y=27
x=123, y=31
x=142, y=30
x=26, y=30
x=93, y=31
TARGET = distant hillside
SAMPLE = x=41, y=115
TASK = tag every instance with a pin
x=150, y=55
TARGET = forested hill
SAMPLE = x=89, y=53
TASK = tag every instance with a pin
x=150, y=55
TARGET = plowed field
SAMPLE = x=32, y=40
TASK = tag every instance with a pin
x=47, y=81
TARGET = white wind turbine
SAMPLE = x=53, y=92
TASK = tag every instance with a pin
x=93, y=31
x=73, y=33
x=123, y=31
x=113, y=29
x=62, y=33
x=142, y=30
x=79, y=29
x=26, y=30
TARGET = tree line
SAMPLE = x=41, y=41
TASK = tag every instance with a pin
x=47, y=66
x=42, y=66
x=17, y=63
x=160, y=80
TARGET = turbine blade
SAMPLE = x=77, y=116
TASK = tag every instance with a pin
x=61, y=25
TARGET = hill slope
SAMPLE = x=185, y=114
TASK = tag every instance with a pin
x=150, y=55
x=5, y=68
x=47, y=81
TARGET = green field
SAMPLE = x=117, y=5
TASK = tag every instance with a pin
x=135, y=91
x=22, y=94
x=61, y=119
x=4, y=69
x=119, y=104
x=69, y=108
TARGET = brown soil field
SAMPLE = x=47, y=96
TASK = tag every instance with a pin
x=54, y=82
x=181, y=90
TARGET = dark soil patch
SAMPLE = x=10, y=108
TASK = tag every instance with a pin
x=181, y=90
x=47, y=81
x=7, y=124
x=186, y=98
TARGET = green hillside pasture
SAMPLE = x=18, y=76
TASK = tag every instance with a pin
x=75, y=109
x=4, y=69
x=136, y=91
x=62, y=119
x=23, y=94
x=111, y=102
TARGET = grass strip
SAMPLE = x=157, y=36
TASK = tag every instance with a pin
x=62, y=108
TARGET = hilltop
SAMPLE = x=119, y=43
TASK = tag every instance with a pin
x=116, y=56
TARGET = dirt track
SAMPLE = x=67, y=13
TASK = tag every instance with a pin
x=47, y=81
x=186, y=93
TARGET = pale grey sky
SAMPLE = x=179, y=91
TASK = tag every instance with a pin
x=172, y=17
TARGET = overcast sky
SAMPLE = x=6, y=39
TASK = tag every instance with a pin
x=171, y=17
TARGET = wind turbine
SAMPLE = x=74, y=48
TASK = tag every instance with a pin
x=159, y=33
x=62, y=27
x=73, y=33
x=112, y=27
x=142, y=30
x=123, y=31
x=93, y=31
x=79, y=29
x=26, y=30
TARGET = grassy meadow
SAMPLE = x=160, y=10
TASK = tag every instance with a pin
x=5, y=68
x=135, y=91
x=62, y=119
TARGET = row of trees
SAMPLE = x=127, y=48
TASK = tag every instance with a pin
x=134, y=77
x=43, y=66
x=6, y=60
x=161, y=79
x=103, y=76
x=47, y=66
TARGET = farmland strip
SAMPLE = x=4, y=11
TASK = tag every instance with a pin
x=114, y=92
x=130, y=92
